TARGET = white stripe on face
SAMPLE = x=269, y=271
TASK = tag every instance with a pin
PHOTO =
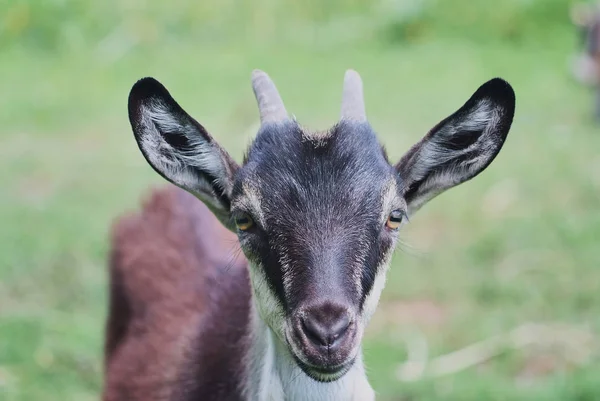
x=372, y=299
x=269, y=308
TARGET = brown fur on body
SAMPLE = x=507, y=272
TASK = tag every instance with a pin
x=163, y=340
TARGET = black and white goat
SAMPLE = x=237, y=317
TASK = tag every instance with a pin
x=316, y=215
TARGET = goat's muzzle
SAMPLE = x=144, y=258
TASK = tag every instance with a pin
x=323, y=339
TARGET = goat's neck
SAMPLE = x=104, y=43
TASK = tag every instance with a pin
x=274, y=376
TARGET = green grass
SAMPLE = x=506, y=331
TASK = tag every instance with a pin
x=518, y=244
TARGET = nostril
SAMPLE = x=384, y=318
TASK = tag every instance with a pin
x=315, y=332
x=325, y=330
x=339, y=327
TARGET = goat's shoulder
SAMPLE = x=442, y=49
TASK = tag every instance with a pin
x=169, y=249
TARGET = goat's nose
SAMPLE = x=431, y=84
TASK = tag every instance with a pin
x=326, y=324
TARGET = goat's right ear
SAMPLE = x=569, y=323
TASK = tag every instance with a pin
x=179, y=148
x=460, y=146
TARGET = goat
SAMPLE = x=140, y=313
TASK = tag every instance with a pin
x=316, y=216
x=586, y=64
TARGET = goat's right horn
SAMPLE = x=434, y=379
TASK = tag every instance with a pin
x=353, y=103
x=270, y=105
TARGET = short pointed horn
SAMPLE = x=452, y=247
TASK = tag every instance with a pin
x=353, y=103
x=270, y=105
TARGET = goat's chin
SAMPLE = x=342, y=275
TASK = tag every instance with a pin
x=327, y=376
x=324, y=374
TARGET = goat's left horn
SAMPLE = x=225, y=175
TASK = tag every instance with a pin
x=353, y=103
x=270, y=105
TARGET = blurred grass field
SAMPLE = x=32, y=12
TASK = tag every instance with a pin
x=517, y=245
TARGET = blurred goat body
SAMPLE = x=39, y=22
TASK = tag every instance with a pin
x=586, y=67
x=174, y=279
x=316, y=216
x=586, y=64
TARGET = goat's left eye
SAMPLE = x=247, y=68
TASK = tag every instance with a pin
x=244, y=222
x=395, y=219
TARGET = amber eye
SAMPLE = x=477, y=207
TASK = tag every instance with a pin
x=395, y=219
x=243, y=222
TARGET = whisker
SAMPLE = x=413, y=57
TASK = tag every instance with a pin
x=409, y=249
x=297, y=376
x=234, y=254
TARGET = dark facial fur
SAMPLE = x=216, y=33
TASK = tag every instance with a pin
x=321, y=195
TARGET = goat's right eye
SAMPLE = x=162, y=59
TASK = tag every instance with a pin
x=395, y=219
x=243, y=222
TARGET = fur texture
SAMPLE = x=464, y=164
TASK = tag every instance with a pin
x=191, y=319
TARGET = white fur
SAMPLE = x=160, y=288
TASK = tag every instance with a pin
x=262, y=382
x=287, y=273
x=372, y=299
x=432, y=153
x=268, y=307
x=485, y=116
x=275, y=376
x=156, y=121
x=318, y=138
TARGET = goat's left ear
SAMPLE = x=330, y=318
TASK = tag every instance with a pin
x=179, y=148
x=460, y=146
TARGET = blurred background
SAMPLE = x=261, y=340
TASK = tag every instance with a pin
x=494, y=293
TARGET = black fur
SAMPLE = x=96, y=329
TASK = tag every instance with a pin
x=321, y=196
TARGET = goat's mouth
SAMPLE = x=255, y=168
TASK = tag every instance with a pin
x=324, y=374
x=321, y=362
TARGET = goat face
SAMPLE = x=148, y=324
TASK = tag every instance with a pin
x=317, y=214
x=320, y=236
